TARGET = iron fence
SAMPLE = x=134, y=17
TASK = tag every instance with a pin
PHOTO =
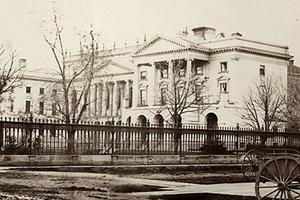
x=35, y=137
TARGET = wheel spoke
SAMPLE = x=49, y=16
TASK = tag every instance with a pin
x=276, y=195
x=294, y=191
x=272, y=174
x=277, y=169
x=291, y=172
x=293, y=179
x=268, y=179
x=270, y=193
x=281, y=195
x=273, y=186
x=290, y=195
x=284, y=194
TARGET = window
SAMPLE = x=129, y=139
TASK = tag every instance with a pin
x=143, y=75
x=11, y=106
x=42, y=90
x=107, y=97
x=28, y=90
x=130, y=97
x=223, y=88
x=224, y=67
x=53, y=108
x=163, y=97
x=54, y=92
x=164, y=72
x=198, y=90
x=41, y=108
x=27, y=107
x=262, y=70
x=197, y=67
x=142, y=97
x=182, y=72
x=198, y=70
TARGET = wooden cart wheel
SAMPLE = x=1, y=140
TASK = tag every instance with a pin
x=250, y=164
x=279, y=178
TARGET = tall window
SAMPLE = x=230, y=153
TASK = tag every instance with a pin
x=41, y=111
x=107, y=98
x=182, y=71
x=143, y=75
x=223, y=88
x=163, y=95
x=262, y=69
x=12, y=106
x=28, y=90
x=198, y=70
x=119, y=97
x=224, y=67
x=130, y=97
x=197, y=67
x=53, y=108
x=143, y=97
x=54, y=92
x=164, y=72
x=42, y=90
x=27, y=107
x=198, y=90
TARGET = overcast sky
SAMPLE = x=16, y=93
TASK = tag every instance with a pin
x=275, y=21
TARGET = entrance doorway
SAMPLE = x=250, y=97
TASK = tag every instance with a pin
x=212, y=121
x=141, y=120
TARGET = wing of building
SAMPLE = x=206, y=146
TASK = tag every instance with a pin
x=128, y=87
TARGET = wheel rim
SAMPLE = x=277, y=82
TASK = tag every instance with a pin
x=279, y=179
x=250, y=165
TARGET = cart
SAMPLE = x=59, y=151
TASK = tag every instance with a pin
x=276, y=172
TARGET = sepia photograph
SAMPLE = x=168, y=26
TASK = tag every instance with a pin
x=150, y=100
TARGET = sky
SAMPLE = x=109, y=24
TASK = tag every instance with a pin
x=23, y=22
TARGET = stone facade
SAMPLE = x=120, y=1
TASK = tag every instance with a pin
x=127, y=89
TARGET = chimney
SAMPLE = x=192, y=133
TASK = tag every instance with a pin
x=237, y=34
x=22, y=63
x=204, y=33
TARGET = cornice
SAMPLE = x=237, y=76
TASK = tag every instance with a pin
x=173, y=51
x=242, y=49
x=250, y=50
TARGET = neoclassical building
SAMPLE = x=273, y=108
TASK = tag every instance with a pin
x=128, y=88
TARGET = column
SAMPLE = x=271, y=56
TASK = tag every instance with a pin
x=104, y=94
x=111, y=97
x=189, y=67
x=135, y=88
x=151, y=83
x=95, y=99
x=115, y=98
x=100, y=98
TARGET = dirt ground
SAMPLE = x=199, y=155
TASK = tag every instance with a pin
x=21, y=185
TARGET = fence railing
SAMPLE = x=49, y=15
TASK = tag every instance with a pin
x=51, y=137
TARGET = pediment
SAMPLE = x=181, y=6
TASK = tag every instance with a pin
x=112, y=68
x=160, y=44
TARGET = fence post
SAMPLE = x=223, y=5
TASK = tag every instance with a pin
x=112, y=136
x=148, y=137
x=237, y=139
x=1, y=135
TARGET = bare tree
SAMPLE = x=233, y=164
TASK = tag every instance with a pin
x=291, y=111
x=75, y=76
x=11, y=74
x=181, y=92
x=263, y=105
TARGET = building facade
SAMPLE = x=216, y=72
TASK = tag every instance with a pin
x=128, y=88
